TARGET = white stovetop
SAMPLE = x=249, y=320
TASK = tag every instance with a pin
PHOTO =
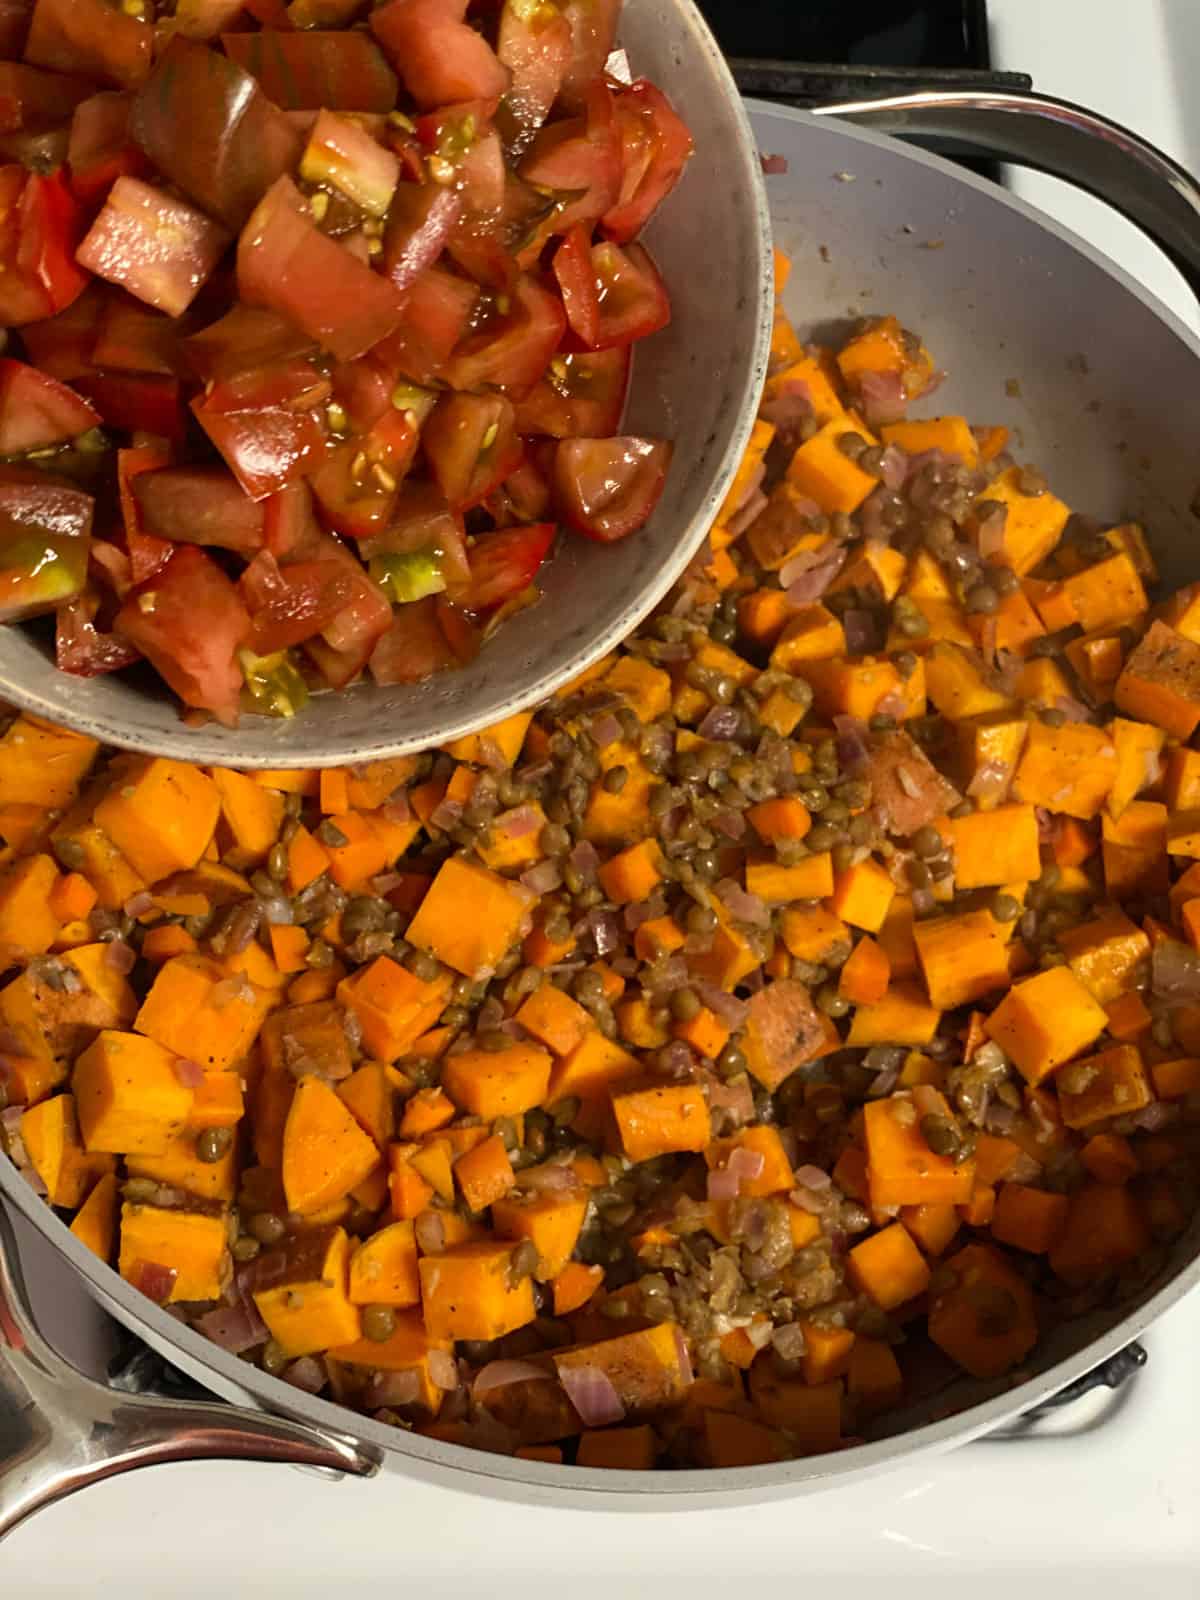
x=1114, y=1510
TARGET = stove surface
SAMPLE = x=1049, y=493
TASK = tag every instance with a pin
x=1105, y=1499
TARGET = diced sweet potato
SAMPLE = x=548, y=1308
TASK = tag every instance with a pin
x=471, y=1292
x=649, y=1369
x=160, y=814
x=552, y=1220
x=325, y=1152
x=1113, y=1083
x=889, y=1267
x=128, y=1095
x=95, y=1223
x=474, y=944
x=657, y=1119
x=1069, y=769
x=784, y=1030
x=1105, y=953
x=195, y=1010
x=1161, y=682
x=1046, y=1020
x=902, y=1169
x=194, y=1248
x=498, y=1083
x=393, y=1006
x=179, y=1167
x=301, y=1291
x=383, y=1268
x=1105, y=1230
x=984, y=1317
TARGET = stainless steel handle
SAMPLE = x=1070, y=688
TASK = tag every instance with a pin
x=1057, y=137
x=61, y=1431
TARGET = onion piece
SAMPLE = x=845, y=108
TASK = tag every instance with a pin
x=138, y=904
x=743, y=907
x=606, y=935
x=807, y=576
x=543, y=878
x=445, y=815
x=443, y=1369
x=720, y=723
x=153, y=1279
x=604, y=730
x=749, y=513
x=235, y=1328
x=306, y=1373
x=190, y=1073
x=591, y=1391
x=862, y=634
x=746, y=1164
x=395, y=1388
x=774, y=166
x=1175, y=971
x=499, y=1374
x=722, y=1184
x=882, y=397
x=814, y=1178
x=120, y=957
x=585, y=858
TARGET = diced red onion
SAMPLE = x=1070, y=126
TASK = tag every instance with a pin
x=814, y=1178
x=1175, y=971
x=774, y=166
x=727, y=1007
x=443, y=1369
x=121, y=957
x=882, y=397
x=759, y=1333
x=1156, y=1116
x=862, y=635
x=1047, y=825
x=730, y=823
x=809, y=1200
x=639, y=911
x=989, y=532
x=235, y=1328
x=749, y=513
x=279, y=913
x=585, y=858
x=306, y=1373
x=684, y=1355
x=990, y=781
x=534, y=771
x=746, y=1164
x=743, y=907
x=807, y=576
x=788, y=406
x=737, y=1099
x=893, y=467
x=591, y=1391
x=1000, y=1119
x=397, y=808
x=430, y=1233
x=153, y=1279
x=720, y=723
x=606, y=935
x=446, y=814
x=666, y=975
x=238, y=987
x=883, y=1082
x=923, y=901
x=190, y=1073
x=499, y=1374
x=676, y=1059
x=604, y=730
x=138, y=904
x=395, y=1388
x=1072, y=709
x=543, y=878
x=853, y=748
x=892, y=704
x=871, y=516
x=520, y=822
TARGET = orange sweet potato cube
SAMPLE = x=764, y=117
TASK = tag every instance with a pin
x=393, y=1006
x=1113, y=1083
x=889, y=1267
x=128, y=1096
x=902, y=1169
x=471, y=1292
x=657, y=1119
x=196, y=1010
x=160, y=814
x=552, y=1219
x=307, y=1306
x=823, y=472
x=1044, y=1021
x=471, y=917
x=500, y=1083
x=984, y=1318
x=192, y=1246
x=1028, y=1219
x=649, y=1369
x=554, y=1019
x=1161, y=682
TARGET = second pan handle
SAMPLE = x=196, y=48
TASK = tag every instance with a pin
x=1055, y=136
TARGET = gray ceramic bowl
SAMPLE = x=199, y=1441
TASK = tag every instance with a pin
x=696, y=383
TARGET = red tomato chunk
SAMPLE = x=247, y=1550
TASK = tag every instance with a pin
x=323, y=313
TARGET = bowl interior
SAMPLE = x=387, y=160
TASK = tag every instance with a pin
x=696, y=383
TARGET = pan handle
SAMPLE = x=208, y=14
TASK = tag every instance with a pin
x=61, y=1430
x=1054, y=136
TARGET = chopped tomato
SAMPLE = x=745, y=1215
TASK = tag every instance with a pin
x=342, y=154
x=419, y=222
x=472, y=446
x=189, y=622
x=577, y=285
x=14, y=27
x=157, y=247
x=199, y=505
x=655, y=148
x=62, y=346
x=607, y=488
x=422, y=520
x=308, y=71
x=31, y=99
x=246, y=339
x=93, y=39
x=37, y=411
x=101, y=147
x=580, y=161
x=357, y=484
x=206, y=125
x=582, y=396
x=147, y=553
x=414, y=647
x=534, y=43
x=40, y=229
x=45, y=529
x=269, y=426
x=133, y=339
x=503, y=564
x=513, y=352
x=593, y=25
x=436, y=310
x=83, y=649
x=441, y=59
x=345, y=645
x=633, y=298
x=290, y=530
x=138, y=402
x=286, y=263
x=289, y=605
x=525, y=494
